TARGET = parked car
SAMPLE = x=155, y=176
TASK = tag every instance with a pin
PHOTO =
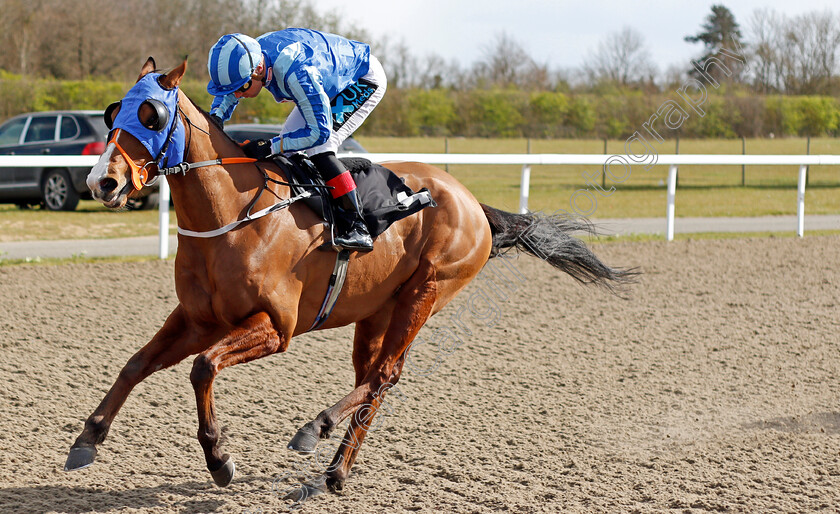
x=241, y=132
x=49, y=133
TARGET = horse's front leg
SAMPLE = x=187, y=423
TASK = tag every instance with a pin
x=172, y=344
x=255, y=338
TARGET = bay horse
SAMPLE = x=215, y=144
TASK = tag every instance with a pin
x=245, y=294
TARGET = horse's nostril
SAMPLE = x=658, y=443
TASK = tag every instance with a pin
x=107, y=185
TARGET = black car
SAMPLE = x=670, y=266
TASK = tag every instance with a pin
x=241, y=132
x=49, y=133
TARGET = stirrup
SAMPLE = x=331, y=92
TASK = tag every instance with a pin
x=341, y=243
x=355, y=238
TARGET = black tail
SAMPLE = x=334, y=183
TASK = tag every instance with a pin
x=548, y=237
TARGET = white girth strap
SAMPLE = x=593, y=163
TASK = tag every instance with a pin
x=259, y=214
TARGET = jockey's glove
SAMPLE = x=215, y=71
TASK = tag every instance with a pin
x=258, y=149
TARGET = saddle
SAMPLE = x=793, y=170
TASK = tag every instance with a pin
x=385, y=197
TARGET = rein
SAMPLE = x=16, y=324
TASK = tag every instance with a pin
x=183, y=167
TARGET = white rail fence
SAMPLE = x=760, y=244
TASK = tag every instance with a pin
x=525, y=160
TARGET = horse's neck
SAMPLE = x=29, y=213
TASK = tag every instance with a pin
x=209, y=197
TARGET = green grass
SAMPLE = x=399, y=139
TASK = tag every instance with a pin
x=703, y=190
x=641, y=238
x=90, y=220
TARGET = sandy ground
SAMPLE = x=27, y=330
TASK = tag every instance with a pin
x=714, y=387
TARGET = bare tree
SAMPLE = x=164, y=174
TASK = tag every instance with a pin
x=22, y=27
x=621, y=58
x=764, y=32
x=399, y=64
x=505, y=63
x=798, y=55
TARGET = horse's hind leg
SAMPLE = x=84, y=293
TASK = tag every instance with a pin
x=367, y=343
x=413, y=308
x=360, y=424
x=257, y=337
x=172, y=344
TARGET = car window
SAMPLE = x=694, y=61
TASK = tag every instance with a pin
x=351, y=145
x=249, y=135
x=69, y=128
x=98, y=124
x=42, y=128
x=11, y=131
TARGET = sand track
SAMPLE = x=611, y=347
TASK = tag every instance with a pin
x=713, y=388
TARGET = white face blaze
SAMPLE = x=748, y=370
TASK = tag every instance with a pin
x=99, y=171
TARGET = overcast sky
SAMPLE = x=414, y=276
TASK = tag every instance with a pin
x=557, y=32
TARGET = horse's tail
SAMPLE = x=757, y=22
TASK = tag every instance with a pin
x=548, y=237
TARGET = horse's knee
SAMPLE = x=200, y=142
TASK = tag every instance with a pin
x=133, y=371
x=203, y=370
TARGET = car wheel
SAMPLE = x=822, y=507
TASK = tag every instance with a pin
x=57, y=191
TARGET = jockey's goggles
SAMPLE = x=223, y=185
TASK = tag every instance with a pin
x=245, y=87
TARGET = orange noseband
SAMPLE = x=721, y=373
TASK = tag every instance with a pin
x=139, y=175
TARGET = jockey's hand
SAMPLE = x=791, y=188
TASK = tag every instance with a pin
x=258, y=149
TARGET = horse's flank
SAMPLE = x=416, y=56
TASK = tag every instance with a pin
x=274, y=263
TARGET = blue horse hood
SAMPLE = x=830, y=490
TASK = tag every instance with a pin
x=148, y=88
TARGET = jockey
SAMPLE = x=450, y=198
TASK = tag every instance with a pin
x=335, y=84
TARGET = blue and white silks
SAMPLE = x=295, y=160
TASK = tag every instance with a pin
x=309, y=68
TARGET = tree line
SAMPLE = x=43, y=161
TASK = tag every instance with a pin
x=85, y=53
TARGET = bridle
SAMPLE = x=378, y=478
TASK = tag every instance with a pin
x=160, y=121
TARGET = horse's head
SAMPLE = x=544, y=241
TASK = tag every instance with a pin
x=146, y=133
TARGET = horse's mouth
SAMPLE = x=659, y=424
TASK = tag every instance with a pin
x=116, y=199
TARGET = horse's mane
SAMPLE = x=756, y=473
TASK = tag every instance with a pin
x=210, y=119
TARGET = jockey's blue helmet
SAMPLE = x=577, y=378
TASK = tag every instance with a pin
x=231, y=63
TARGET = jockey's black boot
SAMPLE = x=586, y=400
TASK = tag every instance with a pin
x=353, y=233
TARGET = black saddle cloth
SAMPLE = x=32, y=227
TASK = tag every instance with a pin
x=385, y=197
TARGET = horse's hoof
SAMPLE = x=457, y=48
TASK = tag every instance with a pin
x=305, y=441
x=80, y=458
x=224, y=475
x=314, y=487
x=335, y=484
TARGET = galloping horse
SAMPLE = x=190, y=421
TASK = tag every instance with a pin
x=246, y=293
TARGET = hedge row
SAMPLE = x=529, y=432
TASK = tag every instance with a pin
x=482, y=113
x=494, y=113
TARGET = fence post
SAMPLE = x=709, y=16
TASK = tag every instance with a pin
x=163, y=218
x=604, y=169
x=677, y=152
x=800, y=201
x=524, y=185
x=672, y=192
x=743, y=168
x=446, y=150
x=808, y=168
